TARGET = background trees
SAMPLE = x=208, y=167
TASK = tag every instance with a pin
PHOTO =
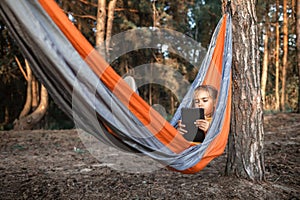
x=37, y=101
x=276, y=35
x=279, y=54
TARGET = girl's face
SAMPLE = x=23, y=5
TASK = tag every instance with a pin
x=202, y=99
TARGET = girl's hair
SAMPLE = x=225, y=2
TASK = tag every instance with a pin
x=212, y=91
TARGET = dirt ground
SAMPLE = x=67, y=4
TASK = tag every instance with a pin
x=44, y=164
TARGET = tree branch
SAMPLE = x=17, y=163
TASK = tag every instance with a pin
x=21, y=68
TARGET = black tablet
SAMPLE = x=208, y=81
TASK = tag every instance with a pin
x=189, y=116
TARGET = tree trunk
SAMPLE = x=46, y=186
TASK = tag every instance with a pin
x=298, y=48
x=28, y=76
x=245, y=146
x=26, y=119
x=40, y=111
x=101, y=21
x=264, y=75
x=29, y=121
x=285, y=54
x=35, y=93
x=110, y=15
x=277, y=98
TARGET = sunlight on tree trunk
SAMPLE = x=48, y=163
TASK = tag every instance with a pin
x=35, y=93
x=298, y=49
x=30, y=116
x=28, y=122
x=245, y=146
x=264, y=75
x=101, y=19
x=285, y=54
x=277, y=98
x=28, y=76
x=103, y=36
x=110, y=15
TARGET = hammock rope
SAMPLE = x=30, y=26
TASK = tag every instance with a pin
x=101, y=103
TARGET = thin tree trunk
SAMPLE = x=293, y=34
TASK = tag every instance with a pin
x=264, y=75
x=101, y=21
x=245, y=146
x=298, y=48
x=28, y=76
x=35, y=93
x=29, y=121
x=285, y=54
x=26, y=119
x=277, y=98
x=40, y=111
x=110, y=15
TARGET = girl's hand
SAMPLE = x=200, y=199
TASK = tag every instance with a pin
x=181, y=128
x=202, y=124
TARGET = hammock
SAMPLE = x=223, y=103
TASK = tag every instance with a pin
x=84, y=85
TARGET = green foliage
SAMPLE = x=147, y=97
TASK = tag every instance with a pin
x=204, y=18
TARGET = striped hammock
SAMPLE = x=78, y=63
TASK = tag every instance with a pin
x=101, y=103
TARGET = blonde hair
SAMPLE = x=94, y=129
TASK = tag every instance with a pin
x=212, y=91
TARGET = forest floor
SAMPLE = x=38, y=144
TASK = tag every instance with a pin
x=43, y=164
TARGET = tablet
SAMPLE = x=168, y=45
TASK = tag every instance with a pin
x=189, y=116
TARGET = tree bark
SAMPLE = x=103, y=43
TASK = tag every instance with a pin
x=298, y=48
x=28, y=122
x=245, y=146
x=35, y=93
x=264, y=75
x=285, y=55
x=101, y=21
x=110, y=15
x=28, y=76
x=277, y=97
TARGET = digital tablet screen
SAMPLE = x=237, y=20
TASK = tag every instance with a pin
x=189, y=116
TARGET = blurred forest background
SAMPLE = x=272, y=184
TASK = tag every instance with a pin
x=22, y=95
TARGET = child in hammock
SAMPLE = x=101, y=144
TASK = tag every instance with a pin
x=205, y=97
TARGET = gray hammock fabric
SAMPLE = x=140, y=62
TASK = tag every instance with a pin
x=95, y=107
